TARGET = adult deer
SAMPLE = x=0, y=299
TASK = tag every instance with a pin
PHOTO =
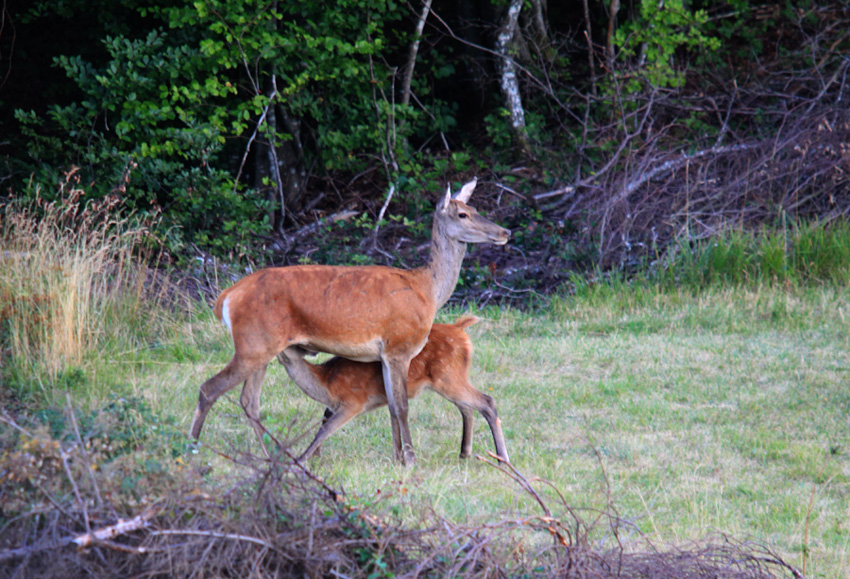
x=349, y=389
x=363, y=313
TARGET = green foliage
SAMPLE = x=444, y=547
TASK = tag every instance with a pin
x=323, y=60
x=151, y=126
x=120, y=426
x=339, y=242
x=654, y=37
x=740, y=33
x=158, y=121
x=744, y=26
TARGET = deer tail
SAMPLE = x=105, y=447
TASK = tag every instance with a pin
x=466, y=321
x=219, y=303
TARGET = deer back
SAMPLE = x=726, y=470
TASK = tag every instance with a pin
x=356, y=312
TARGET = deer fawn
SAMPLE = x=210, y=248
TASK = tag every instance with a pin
x=350, y=388
x=363, y=313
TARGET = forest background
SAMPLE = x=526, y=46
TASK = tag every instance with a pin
x=605, y=134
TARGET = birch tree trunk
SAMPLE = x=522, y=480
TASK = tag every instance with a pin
x=508, y=80
x=609, y=39
x=414, y=50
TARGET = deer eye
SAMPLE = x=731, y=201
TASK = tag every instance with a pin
x=462, y=215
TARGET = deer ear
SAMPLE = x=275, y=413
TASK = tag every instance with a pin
x=445, y=203
x=466, y=192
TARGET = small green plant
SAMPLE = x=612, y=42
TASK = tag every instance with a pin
x=122, y=425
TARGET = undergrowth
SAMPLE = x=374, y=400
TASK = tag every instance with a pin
x=69, y=511
x=793, y=256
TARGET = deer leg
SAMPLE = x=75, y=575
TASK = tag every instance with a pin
x=472, y=399
x=397, y=456
x=487, y=409
x=250, y=401
x=230, y=377
x=317, y=451
x=327, y=415
x=395, y=386
x=466, y=436
x=328, y=427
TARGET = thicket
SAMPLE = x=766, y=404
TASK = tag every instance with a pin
x=602, y=132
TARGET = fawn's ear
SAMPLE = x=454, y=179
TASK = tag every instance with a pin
x=444, y=204
x=466, y=191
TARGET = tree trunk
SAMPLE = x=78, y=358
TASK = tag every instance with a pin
x=535, y=24
x=508, y=79
x=414, y=50
x=279, y=167
x=274, y=166
x=612, y=28
x=588, y=34
x=293, y=170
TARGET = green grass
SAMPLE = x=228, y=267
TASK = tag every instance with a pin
x=796, y=253
x=722, y=412
x=693, y=404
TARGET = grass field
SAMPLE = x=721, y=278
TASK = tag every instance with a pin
x=690, y=415
x=705, y=403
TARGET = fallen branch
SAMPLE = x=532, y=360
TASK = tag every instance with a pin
x=218, y=535
x=313, y=227
x=555, y=192
x=120, y=528
x=677, y=162
x=89, y=539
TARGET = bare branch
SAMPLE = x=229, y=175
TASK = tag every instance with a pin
x=259, y=124
x=120, y=528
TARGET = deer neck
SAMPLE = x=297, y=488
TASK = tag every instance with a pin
x=307, y=377
x=444, y=264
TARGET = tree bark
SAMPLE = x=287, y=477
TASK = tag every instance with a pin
x=274, y=164
x=508, y=79
x=414, y=50
x=536, y=23
x=612, y=27
x=590, y=57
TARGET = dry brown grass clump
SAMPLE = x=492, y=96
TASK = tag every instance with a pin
x=62, y=260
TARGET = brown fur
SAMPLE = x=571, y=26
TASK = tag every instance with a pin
x=351, y=388
x=368, y=313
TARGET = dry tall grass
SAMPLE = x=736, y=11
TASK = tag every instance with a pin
x=62, y=261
